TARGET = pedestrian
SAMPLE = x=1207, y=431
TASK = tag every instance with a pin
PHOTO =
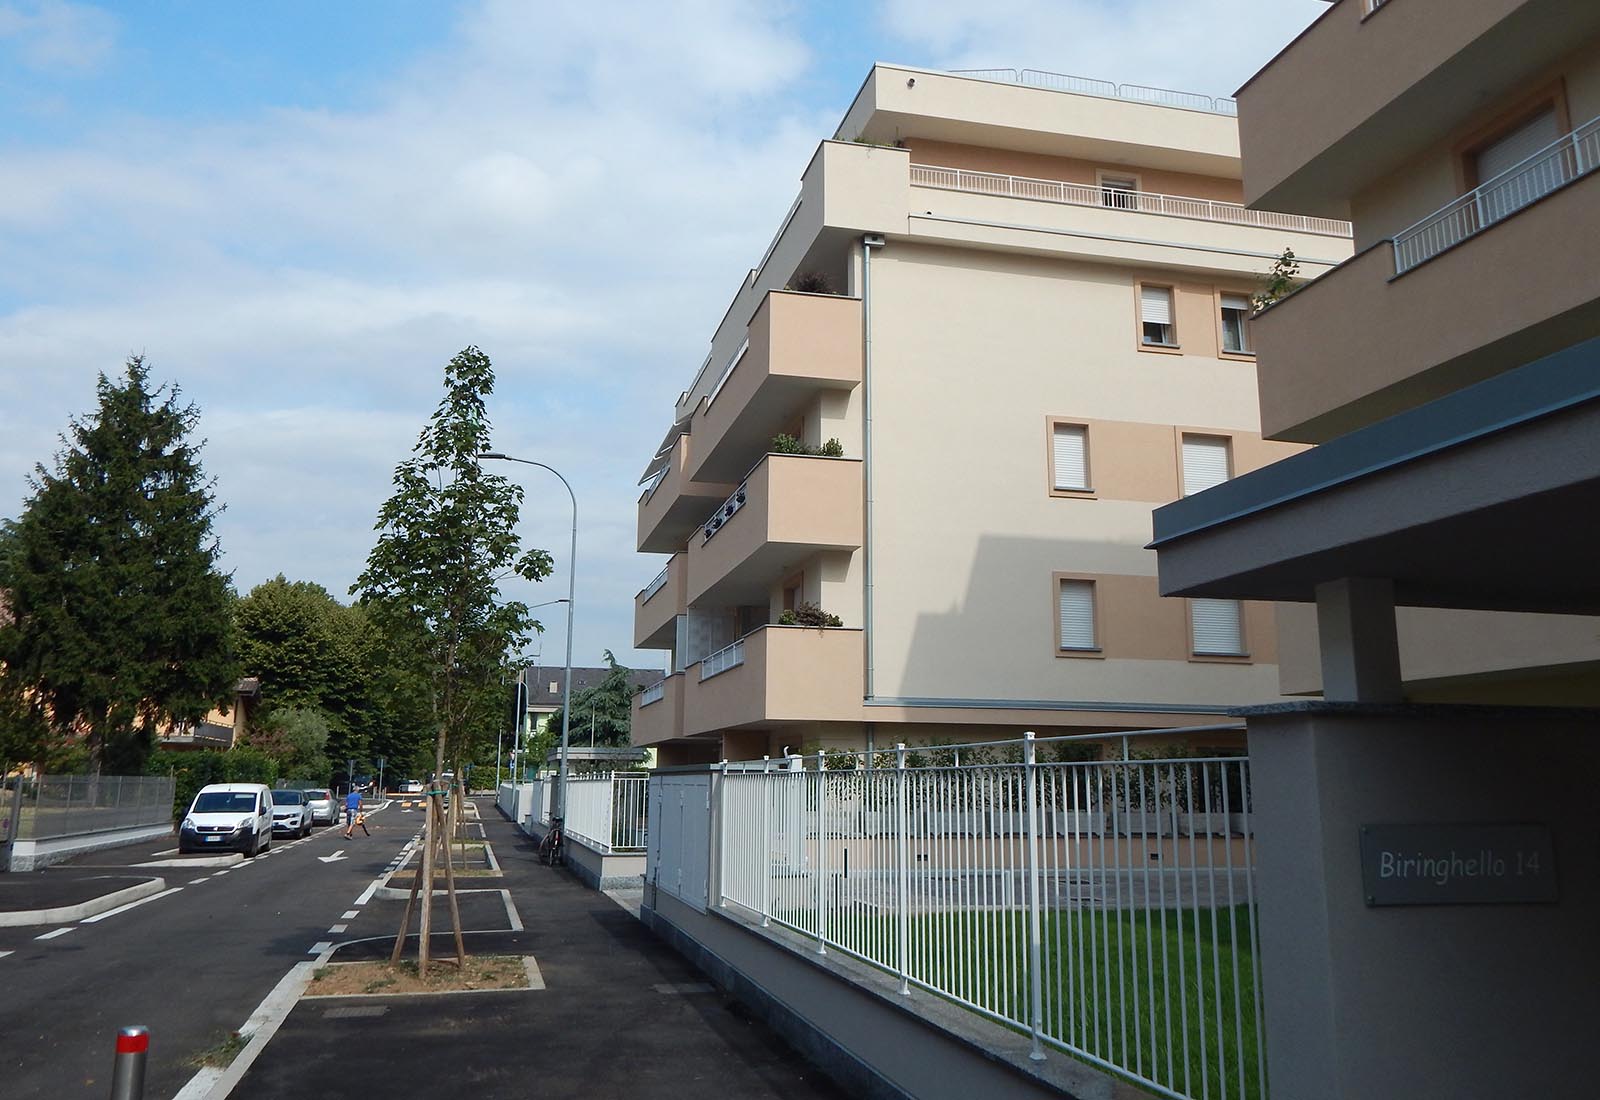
x=353, y=814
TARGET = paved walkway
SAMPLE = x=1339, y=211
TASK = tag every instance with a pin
x=622, y=1015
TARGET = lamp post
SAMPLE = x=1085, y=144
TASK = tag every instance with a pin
x=559, y=809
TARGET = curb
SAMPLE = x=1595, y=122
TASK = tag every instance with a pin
x=63, y=913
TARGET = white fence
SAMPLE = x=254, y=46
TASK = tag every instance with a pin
x=608, y=812
x=730, y=656
x=1557, y=164
x=1144, y=202
x=1105, y=907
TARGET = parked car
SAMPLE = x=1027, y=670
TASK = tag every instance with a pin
x=224, y=816
x=411, y=786
x=291, y=816
x=324, y=807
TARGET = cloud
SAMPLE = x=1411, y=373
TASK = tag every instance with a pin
x=55, y=35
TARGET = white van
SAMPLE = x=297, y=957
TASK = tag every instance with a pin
x=228, y=816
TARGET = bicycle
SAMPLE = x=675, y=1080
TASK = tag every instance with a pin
x=552, y=849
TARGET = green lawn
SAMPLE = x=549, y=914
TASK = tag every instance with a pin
x=1126, y=987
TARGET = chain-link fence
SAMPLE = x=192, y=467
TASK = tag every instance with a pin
x=72, y=805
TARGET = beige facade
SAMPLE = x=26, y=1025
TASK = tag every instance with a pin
x=1463, y=138
x=994, y=250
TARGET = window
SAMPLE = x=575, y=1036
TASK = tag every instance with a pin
x=1506, y=187
x=1236, y=324
x=1207, y=461
x=1069, y=457
x=1216, y=628
x=1119, y=192
x=1075, y=629
x=1155, y=316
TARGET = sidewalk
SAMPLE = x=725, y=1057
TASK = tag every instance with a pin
x=621, y=1015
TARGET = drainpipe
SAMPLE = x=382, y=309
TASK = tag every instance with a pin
x=868, y=243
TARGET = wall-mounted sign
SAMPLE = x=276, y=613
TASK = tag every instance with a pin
x=1485, y=864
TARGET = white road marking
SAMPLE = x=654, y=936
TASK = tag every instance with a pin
x=319, y=947
x=338, y=928
x=131, y=905
x=352, y=914
x=511, y=913
x=53, y=935
x=335, y=858
x=3, y=954
x=366, y=895
x=223, y=872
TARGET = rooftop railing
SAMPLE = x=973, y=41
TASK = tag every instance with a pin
x=1105, y=89
x=1085, y=194
x=1566, y=159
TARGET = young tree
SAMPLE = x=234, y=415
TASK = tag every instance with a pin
x=446, y=539
x=119, y=619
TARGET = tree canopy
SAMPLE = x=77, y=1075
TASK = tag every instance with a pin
x=606, y=707
x=119, y=621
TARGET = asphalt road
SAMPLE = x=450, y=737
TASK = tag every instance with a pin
x=191, y=964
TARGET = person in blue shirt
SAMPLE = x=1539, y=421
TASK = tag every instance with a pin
x=353, y=814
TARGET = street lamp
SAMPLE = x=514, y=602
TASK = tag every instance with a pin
x=559, y=810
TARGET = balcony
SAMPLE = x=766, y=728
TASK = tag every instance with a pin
x=1362, y=343
x=675, y=505
x=774, y=675
x=658, y=712
x=788, y=508
x=799, y=345
x=658, y=605
x=1086, y=220
x=1366, y=89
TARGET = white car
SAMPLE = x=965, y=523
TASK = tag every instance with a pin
x=291, y=813
x=411, y=786
x=228, y=816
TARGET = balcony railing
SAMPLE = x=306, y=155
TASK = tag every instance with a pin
x=1105, y=89
x=1144, y=202
x=723, y=514
x=654, y=693
x=658, y=584
x=722, y=660
x=1556, y=165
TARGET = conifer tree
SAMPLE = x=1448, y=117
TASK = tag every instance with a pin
x=119, y=621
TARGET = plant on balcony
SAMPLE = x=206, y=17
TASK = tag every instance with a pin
x=813, y=282
x=785, y=444
x=1279, y=282
x=809, y=614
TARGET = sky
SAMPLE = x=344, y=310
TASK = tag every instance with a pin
x=299, y=211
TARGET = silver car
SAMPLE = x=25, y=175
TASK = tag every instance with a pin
x=291, y=816
x=324, y=807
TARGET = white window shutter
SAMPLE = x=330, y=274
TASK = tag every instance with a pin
x=1070, y=454
x=1218, y=627
x=1518, y=145
x=1077, y=615
x=1155, y=305
x=1236, y=301
x=1205, y=462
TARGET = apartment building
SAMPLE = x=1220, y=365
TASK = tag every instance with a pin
x=1435, y=547
x=1006, y=316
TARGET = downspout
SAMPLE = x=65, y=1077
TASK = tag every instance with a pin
x=868, y=243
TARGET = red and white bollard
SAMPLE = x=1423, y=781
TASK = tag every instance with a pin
x=127, y=1072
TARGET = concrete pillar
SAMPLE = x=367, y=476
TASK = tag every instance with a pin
x=1399, y=1001
x=1360, y=647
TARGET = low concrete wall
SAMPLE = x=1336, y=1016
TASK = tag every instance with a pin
x=851, y=1021
x=30, y=855
x=604, y=870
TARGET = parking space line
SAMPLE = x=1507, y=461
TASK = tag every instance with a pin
x=131, y=905
x=53, y=935
x=511, y=911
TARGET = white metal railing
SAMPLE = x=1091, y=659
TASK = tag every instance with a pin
x=723, y=514
x=1374, y=5
x=608, y=812
x=1144, y=202
x=653, y=694
x=722, y=660
x=1106, y=89
x=1106, y=907
x=658, y=584
x=1556, y=165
